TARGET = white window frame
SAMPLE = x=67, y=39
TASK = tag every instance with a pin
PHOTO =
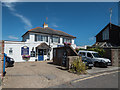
x=42, y=38
x=10, y=53
x=67, y=40
x=55, y=39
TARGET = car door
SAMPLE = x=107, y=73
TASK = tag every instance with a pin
x=89, y=56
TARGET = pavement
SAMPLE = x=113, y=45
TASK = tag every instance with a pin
x=96, y=70
x=43, y=75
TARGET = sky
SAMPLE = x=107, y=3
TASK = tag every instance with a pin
x=80, y=19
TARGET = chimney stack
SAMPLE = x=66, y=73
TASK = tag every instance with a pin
x=45, y=25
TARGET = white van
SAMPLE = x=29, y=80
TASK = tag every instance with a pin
x=95, y=58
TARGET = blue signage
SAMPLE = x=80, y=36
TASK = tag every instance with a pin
x=60, y=45
x=25, y=50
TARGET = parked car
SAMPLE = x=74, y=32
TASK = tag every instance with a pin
x=95, y=58
x=88, y=62
x=9, y=62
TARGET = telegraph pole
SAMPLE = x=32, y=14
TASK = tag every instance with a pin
x=110, y=16
x=2, y=58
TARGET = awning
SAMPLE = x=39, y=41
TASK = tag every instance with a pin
x=43, y=46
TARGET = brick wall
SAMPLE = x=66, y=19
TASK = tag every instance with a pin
x=113, y=55
x=70, y=59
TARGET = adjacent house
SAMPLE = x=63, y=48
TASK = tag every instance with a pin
x=109, y=36
x=109, y=39
x=38, y=43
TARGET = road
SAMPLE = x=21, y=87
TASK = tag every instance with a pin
x=104, y=80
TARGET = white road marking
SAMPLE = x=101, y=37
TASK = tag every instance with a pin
x=94, y=76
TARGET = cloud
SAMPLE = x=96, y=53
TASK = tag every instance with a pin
x=24, y=19
x=91, y=38
x=54, y=25
x=10, y=1
x=11, y=6
x=12, y=37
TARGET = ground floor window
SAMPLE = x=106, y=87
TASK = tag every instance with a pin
x=45, y=52
x=10, y=51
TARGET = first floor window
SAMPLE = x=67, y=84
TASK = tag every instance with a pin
x=56, y=39
x=105, y=34
x=66, y=40
x=41, y=38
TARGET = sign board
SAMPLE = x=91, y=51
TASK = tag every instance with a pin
x=32, y=54
x=60, y=45
x=24, y=50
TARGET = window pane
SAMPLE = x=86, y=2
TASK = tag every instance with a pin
x=56, y=39
x=65, y=40
x=89, y=55
x=10, y=51
x=42, y=38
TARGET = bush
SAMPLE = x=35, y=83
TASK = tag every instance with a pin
x=77, y=49
x=99, y=50
x=77, y=66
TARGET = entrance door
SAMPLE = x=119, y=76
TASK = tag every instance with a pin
x=40, y=55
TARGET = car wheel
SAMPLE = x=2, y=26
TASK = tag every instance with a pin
x=89, y=67
x=96, y=64
x=6, y=64
x=105, y=65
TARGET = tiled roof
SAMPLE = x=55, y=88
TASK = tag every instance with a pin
x=49, y=31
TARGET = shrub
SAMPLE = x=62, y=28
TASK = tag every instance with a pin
x=99, y=50
x=77, y=49
x=77, y=66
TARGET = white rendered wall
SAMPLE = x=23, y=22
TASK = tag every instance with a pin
x=30, y=42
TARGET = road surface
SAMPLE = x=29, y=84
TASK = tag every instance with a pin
x=103, y=80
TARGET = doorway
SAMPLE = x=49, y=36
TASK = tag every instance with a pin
x=40, y=55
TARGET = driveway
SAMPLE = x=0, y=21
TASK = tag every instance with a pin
x=36, y=75
x=41, y=75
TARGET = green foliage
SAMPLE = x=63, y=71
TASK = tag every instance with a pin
x=99, y=50
x=77, y=49
x=77, y=66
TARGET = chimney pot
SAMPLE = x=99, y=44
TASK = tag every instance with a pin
x=45, y=25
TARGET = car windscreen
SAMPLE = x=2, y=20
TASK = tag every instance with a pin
x=96, y=55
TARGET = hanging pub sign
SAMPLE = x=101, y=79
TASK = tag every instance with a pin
x=24, y=50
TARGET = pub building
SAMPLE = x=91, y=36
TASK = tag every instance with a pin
x=37, y=44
